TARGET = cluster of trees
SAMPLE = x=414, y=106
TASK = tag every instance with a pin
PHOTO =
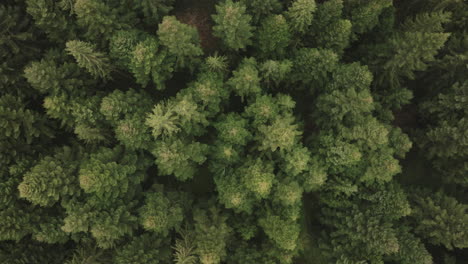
x=316, y=132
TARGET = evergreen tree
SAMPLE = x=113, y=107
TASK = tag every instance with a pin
x=300, y=15
x=181, y=40
x=96, y=63
x=273, y=37
x=146, y=62
x=262, y=8
x=211, y=234
x=246, y=80
x=441, y=219
x=250, y=131
x=233, y=25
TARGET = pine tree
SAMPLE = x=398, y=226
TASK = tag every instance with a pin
x=233, y=25
x=262, y=8
x=96, y=63
x=153, y=10
x=146, y=60
x=50, y=180
x=179, y=157
x=312, y=66
x=211, y=234
x=440, y=218
x=300, y=15
x=283, y=232
x=246, y=80
x=364, y=15
x=274, y=72
x=98, y=19
x=181, y=40
x=444, y=138
x=273, y=37
x=53, y=20
x=328, y=29
x=162, y=212
x=184, y=248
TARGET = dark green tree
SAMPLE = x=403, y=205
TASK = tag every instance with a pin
x=233, y=25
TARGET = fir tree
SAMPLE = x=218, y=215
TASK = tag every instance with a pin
x=300, y=15
x=233, y=25
x=181, y=40
x=96, y=63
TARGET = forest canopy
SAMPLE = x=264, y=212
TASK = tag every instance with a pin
x=233, y=132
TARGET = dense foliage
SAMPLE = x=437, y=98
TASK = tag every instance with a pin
x=305, y=131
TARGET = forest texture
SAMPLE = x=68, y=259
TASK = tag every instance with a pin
x=233, y=132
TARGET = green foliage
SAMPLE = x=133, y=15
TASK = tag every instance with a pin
x=361, y=235
x=274, y=72
x=249, y=131
x=146, y=248
x=364, y=15
x=179, y=157
x=233, y=25
x=122, y=44
x=403, y=59
x=283, y=232
x=146, y=62
x=50, y=179
x=300, y=15
x=102, y=176
x=444, y=140
x=262, y=8
x=328, y=29
x=216, y=63
x=162, y=212
x=246, y=80
x=184, y=248
x=89, y=253
x=312, y=66
x=180, y=39
x=153, y=10
x=441, y=219
x=96, y=63
x=273, y=36
x=52, y=19
x=98, y=19
x=232, y=129
x=411, y=249
x=211, y=234
x=282, y=134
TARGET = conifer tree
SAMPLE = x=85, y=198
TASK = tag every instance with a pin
x=249, y=131
x=444, y=142
x=211, y=234
x=96, y=63
x=52, y=19
x=181, y=40
x=233, y=25
x=274, y=72
x=328, y=29
x=162, y=212
x=441, y=219
x=246, y=80
x=153, y=10
x=50, y=180
x=262, y=8
x=364, y=15
x=99, y=19
x=300, y=15
x=146, y=61
x=273, y=37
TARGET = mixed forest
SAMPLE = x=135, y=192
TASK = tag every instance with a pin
x=233, y=132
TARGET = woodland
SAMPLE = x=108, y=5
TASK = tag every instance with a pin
x=233, y=132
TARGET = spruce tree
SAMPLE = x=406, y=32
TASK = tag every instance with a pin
x=233, y=25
